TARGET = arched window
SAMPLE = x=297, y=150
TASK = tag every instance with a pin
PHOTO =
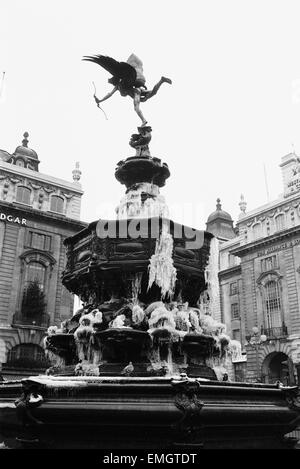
x=57, y=204
x=34, y=288
x=23, y=195
x=279, y=222
x=257, y=231
x=273, y=316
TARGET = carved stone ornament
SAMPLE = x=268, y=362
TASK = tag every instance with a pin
x=187, y=400
x=14, y=180
x=190, y=405
x=292, y=396
x=49, y=189
x=35, y=186
x=68, y=196
x=189, y=427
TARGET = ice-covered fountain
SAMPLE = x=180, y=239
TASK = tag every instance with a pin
x=143, y=363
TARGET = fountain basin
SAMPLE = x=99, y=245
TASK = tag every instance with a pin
x=134, y=169
x=156, y=412
x=102, y=260
x=199, y=345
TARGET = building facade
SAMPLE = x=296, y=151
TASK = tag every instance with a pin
x=37, y=213
x=260, y=284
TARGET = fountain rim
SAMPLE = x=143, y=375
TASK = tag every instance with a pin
x=53, y=381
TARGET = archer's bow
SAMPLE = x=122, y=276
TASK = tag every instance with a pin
x=98, y=101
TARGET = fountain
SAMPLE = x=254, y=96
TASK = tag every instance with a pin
x=143, y=363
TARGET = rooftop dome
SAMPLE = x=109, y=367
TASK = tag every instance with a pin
x=23, y=149
x=220, y=223
x=219, y=213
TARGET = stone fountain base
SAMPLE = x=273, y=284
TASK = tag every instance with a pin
x=150, y=413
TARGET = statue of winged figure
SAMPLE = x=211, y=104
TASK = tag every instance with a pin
x=128, y=79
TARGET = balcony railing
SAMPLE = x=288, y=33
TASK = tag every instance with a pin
x=275, y=332
x=42, y=320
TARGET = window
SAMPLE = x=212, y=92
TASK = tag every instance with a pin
x=235, y=313
x=39, y=241
x=273, y=305
x=279, y=222
x=23, y=195
x=257, y=231
x=57, y=204
x=269, y=263
x=233, y=288
x=36, y=272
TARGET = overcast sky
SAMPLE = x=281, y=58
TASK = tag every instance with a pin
x=234, y=105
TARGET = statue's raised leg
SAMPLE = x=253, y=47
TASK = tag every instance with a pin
x=148, y=94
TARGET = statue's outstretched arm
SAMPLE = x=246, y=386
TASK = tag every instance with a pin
x=108, y=95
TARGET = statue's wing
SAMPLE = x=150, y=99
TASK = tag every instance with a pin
x=121, y=70
x=137, y=64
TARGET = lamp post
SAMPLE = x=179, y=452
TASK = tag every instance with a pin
x=255, y=340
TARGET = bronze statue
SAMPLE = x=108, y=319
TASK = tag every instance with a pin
x=140, y=141
x=128, y=79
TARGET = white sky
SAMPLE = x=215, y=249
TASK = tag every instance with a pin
x=234, y=104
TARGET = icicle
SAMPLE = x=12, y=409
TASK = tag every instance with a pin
x=118, y=322
x=133, y=205
x=211, y=277
x=170, y=360
x=161, y=268
x=138, y=315
x=55, y=360
x=161, y=317
x=97, y=356
x=136, y=287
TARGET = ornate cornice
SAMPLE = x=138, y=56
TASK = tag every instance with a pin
x=267, y=241
x=8, y=170
x=279, y=206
